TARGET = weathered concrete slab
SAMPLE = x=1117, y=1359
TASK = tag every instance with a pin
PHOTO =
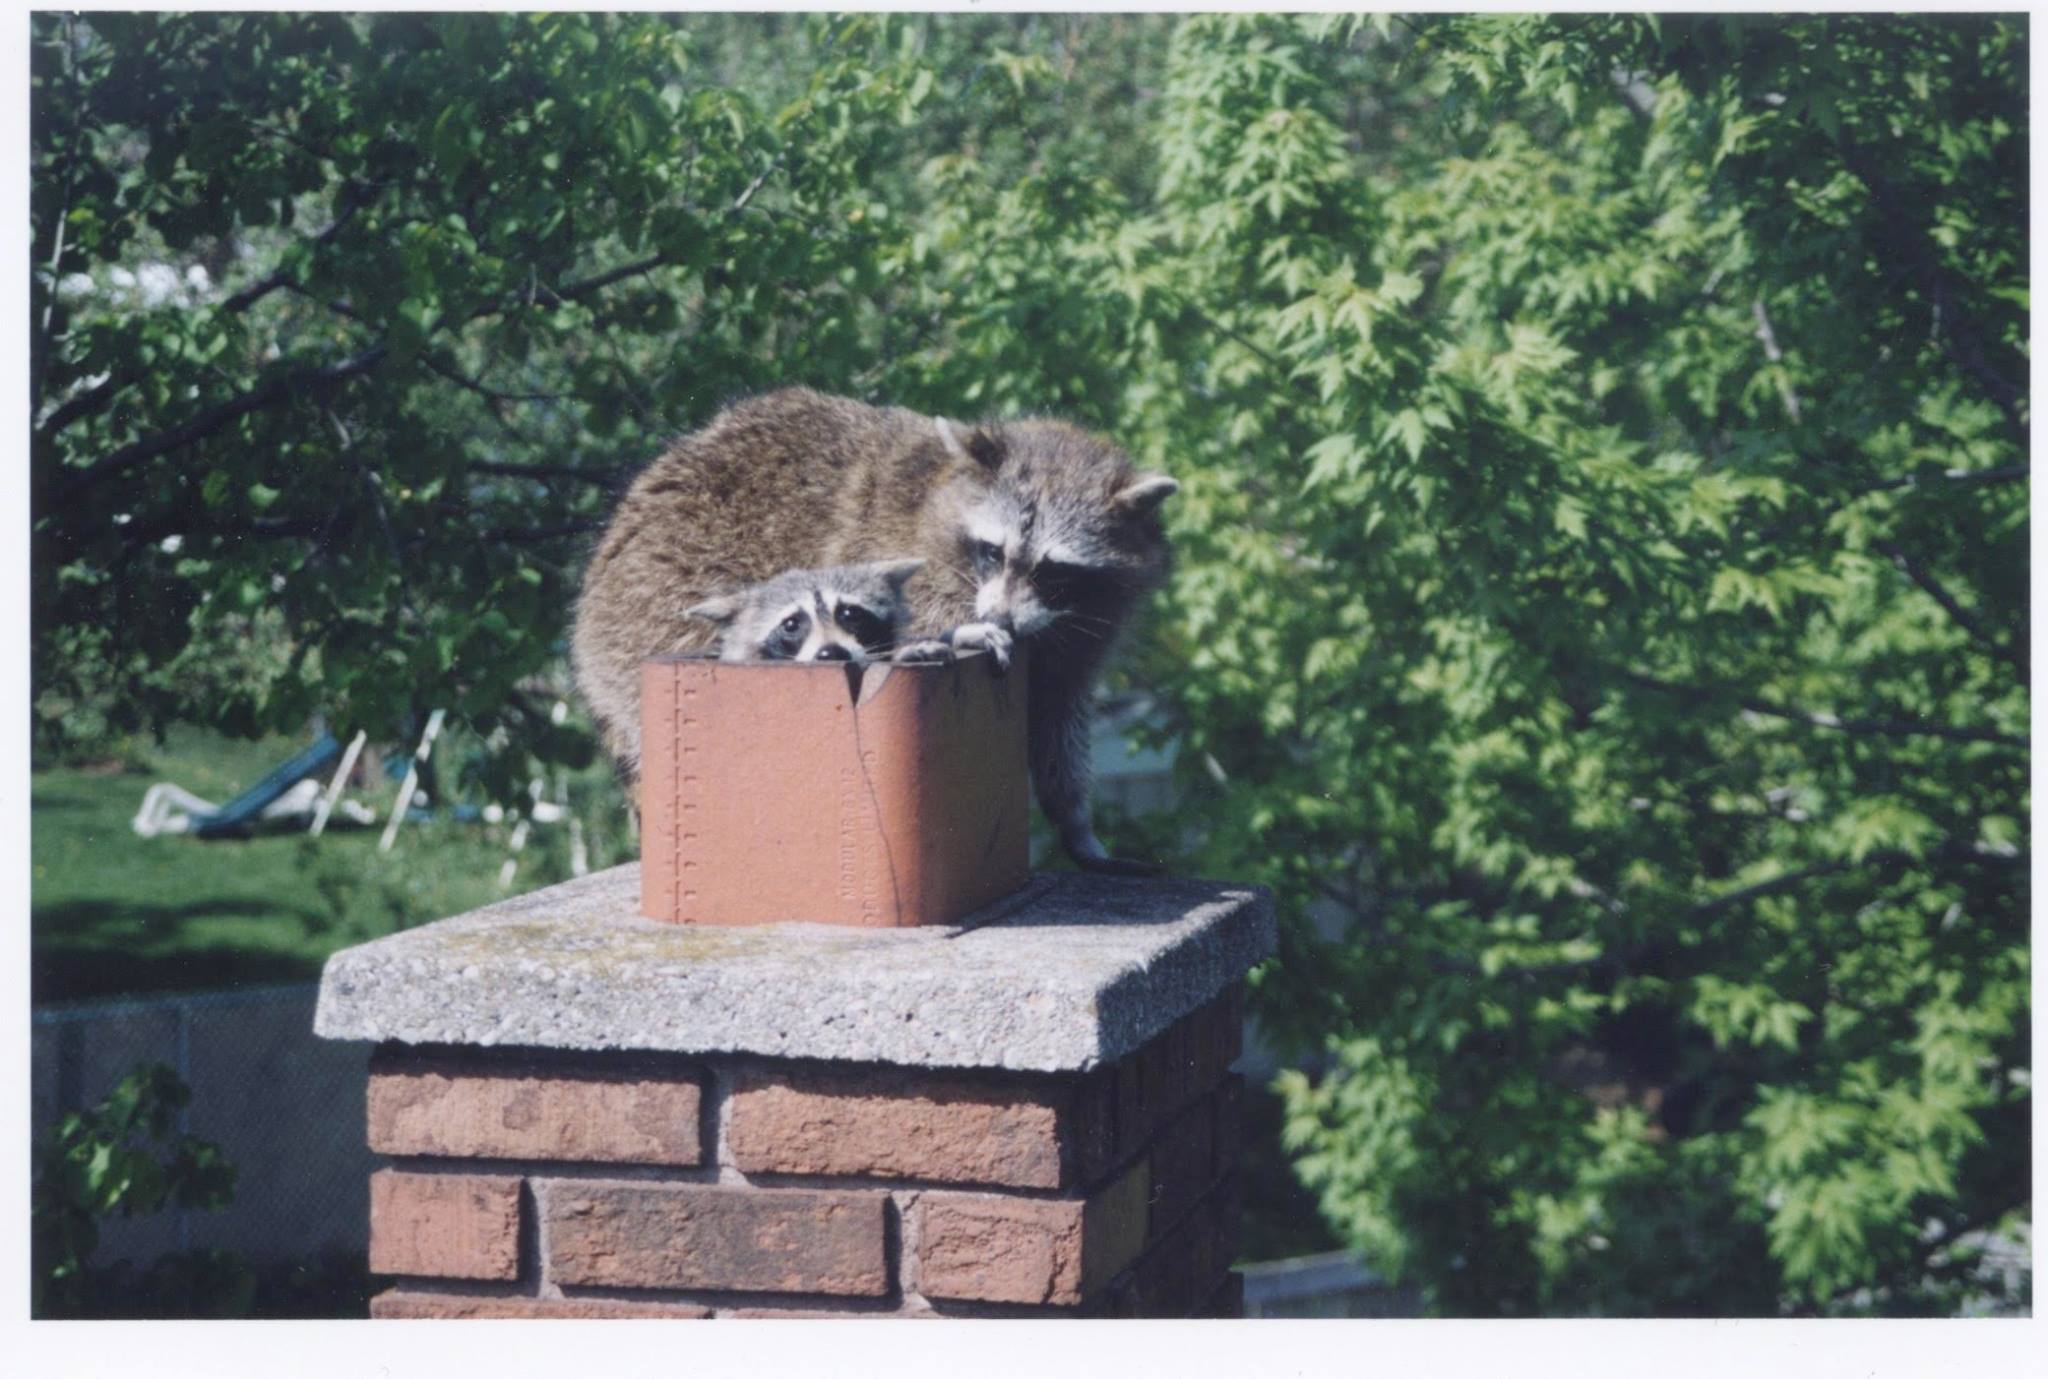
x=1070, y=972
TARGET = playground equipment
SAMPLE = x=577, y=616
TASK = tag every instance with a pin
x=293, y=792
x=409, y=787
x=286, y=793
x=333, y=793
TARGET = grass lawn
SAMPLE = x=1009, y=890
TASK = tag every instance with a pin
x=114, y=914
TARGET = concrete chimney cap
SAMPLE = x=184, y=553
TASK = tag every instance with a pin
x=1071, y=972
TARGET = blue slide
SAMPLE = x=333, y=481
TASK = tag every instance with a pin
x=239, y=813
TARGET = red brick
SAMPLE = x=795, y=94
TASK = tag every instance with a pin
x=1034, y=1250
x=445, y=1107
x=809, y=1314
x=1231, y=1034
x=689, y=1235
x=959, y=1130
x=1095, y=1139
x=1229, y=1134
x=1182, y=1062
x=1221, y=1038
x=1168, y=1072
x=1138, y=1088
x=1215, y=1039
x=1183, y=1158
x=444, y=1225
x=1229, y=1218
x=406, y=1304
x=1177, y=1274
x=1228, y=1299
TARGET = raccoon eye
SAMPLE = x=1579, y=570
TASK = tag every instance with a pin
x=793, y=624
x=856, y=619
x=987, y=555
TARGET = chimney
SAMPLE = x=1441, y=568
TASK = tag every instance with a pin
x=591, y=1113
x=828, y=1051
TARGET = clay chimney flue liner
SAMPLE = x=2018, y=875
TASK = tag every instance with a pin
x=888, y=795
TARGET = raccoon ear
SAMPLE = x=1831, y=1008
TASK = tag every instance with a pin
x=720, y=610
x=979, y=447
x=896, y=572
x=1145, y=493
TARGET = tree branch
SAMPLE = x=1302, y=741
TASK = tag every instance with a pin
x=374, y=483
x=573, y=291
x=1822, y=719
x=517, y=536
x=93, y=399
x=1257, y=350
x=64, y=211
x=137, y=534
x=1964, y=478
x=1934, y=589
x=541, y=473
x=482, y=389
x=1903, y=232
x=1788, y=880
x=213, y=418
x=354, y=198
x=740, y=204
x=342, y=309
x=68, y=484
x=1783, y=882
x=1884, y=727
x=1769, y=336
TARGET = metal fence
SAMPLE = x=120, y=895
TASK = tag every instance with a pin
x=285, y=1108
x=1324, y=1285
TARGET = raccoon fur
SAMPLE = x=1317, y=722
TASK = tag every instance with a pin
x=847, y=613
x=1032, y=532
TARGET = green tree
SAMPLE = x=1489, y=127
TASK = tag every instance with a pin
x=1604, y=555
x=1601, y=600
x=100, y=1162
x=353, y=323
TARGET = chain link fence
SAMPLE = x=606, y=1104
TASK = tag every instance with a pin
x=285, y=1108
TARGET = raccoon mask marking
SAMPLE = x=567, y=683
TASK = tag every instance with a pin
x=1037, y=562
x=1056, y=535
x=845, y=613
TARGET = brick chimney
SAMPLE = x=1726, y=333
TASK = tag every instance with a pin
x=589, y=1113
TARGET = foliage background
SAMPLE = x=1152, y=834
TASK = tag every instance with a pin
x=1601, y=605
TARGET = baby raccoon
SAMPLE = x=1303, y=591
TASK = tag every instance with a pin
x=847, y=613
x=1032, y=532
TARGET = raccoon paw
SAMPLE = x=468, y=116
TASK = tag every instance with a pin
x=926, y=651
x=985, y=636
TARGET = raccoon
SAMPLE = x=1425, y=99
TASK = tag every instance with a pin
x=1033, y=533
x=847, y=613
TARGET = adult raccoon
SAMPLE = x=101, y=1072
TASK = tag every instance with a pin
x=1032, y=532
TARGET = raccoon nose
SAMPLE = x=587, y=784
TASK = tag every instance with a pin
x=833, y=651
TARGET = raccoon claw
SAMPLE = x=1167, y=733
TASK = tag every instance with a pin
x=984, y=636
x=929, y=651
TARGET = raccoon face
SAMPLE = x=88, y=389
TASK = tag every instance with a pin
x=846, y=613
x=1065, y=531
